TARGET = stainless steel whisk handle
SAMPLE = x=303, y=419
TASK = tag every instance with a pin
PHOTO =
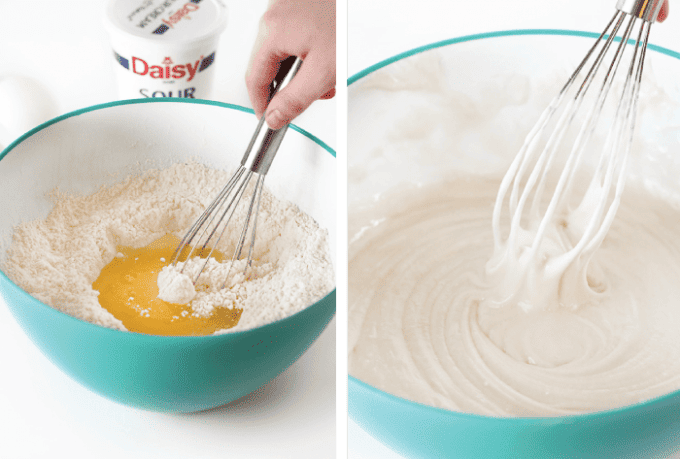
x=646, y=10
x=265, y=142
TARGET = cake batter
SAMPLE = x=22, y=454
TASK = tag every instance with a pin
x=425, y=323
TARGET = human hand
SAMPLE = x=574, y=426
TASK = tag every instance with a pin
x=303, y=28
x=663, y=12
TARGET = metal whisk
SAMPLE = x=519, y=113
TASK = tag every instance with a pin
x=255, y=164
x=530, y=172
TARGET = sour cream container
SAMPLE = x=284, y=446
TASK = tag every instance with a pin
x=164, y=48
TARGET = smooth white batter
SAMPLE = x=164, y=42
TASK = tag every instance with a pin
x=422, y=324
x=427, y=316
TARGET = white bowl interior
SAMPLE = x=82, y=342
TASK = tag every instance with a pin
x=84, y=151
x=436, y=111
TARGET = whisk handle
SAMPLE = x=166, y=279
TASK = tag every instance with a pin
x=646, y=10
x=287, y=70
x=265, y=142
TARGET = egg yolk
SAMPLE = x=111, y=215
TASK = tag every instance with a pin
x=128, y=289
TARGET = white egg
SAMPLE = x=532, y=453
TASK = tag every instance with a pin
x=24, y=104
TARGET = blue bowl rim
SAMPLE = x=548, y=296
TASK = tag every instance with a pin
x=522, y=420
x=501, y=33
x=176, y=339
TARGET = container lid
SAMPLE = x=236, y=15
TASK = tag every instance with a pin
x=166, y=21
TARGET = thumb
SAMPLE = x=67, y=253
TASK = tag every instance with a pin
x=314, y=79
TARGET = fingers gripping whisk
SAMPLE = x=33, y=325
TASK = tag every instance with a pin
x=243, y=191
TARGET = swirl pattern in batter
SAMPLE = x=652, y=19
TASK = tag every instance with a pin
x=422, y=325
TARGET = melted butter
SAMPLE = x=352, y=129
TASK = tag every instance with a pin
x=128, y=289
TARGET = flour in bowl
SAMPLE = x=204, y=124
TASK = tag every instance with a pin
x=58, y=259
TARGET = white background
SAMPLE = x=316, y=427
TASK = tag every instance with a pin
x=63, y=47
x=379, y=29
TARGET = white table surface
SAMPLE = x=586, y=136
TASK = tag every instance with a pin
x=379, y=29
x=43, y=413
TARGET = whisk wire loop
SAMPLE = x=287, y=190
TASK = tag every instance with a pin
x=575, y=158
x=228, y=212
x=209, y=212
x=211, y=226
x=530, y=172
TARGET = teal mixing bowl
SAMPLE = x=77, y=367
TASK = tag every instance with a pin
x=378, y=99
x=101, y=145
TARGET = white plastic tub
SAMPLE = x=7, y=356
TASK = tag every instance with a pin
x=164, y=48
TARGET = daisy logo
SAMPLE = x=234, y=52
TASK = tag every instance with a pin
x=167, y=70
